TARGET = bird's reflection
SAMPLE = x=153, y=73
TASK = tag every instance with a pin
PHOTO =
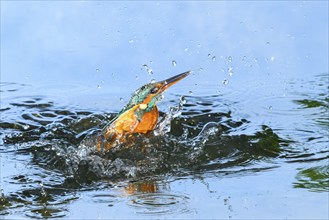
x=148, y=186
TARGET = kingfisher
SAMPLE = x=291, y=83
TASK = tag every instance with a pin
x=140, y=115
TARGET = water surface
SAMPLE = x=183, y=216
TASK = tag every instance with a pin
x=244, y=136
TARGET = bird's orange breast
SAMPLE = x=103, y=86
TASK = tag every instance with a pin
x=129, y=122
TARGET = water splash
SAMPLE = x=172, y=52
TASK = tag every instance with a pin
x=190, y=134
x=164, y=125
x=148, y=69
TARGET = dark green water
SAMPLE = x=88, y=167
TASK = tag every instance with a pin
x=244, y=136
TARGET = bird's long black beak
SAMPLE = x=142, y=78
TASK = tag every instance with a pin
x=165, y=84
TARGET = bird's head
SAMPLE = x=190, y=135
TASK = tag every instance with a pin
x=147, y=96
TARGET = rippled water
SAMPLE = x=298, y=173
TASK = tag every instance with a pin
x=245, y=135
x=46, y=173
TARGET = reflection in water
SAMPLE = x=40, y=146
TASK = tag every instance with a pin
x=143, y=187
x=315, y=179
x=155, y=198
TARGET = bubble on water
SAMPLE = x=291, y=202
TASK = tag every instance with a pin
x=174, y=63
x=213, y=58
x=225, y=81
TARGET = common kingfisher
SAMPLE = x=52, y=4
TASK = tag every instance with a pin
x=140, y=115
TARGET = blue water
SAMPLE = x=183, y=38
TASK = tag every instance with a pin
x=251, y=137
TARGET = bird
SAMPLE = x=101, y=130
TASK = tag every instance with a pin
x=139, y=116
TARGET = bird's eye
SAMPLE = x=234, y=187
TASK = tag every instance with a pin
x=154, y=90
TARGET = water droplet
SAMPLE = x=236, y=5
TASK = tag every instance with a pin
x=148, y=69
x=131, y=41
x=186, y=49
x=213, y=58
x=174, y=63
x=152, y=81
x=121, y=99
x=199, y=45
x=98, y=86
x=136, y=77
x=209, y=55
x=190, y=92
x=267, y=43
x=225, y=81
x=272, y=58
x=230, y=71
x=201, y=69
x=42, y=191
x=97, y=70
x=25, y=127
x=182, y=100
x=270, y=107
